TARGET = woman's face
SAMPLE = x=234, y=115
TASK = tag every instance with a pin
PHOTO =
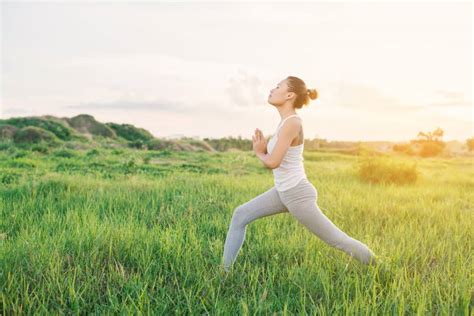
x=278, y=95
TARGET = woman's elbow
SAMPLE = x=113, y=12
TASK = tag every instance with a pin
x=273, y=164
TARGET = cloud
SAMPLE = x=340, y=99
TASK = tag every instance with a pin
x=19, y=111
x=16, y=111
x=179, y=106
x=167, y=83
x=139, y=105
x=245, y=90
x=451, y=99
x=361, y=96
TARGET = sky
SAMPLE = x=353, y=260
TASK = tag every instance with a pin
x=383, y=70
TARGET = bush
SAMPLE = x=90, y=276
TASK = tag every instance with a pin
x=226, y=143
x=403, y=148
x=33, y=135
x=159, y=144
x=58, y=129
x=86, y=123
x=430, y=149
x=384, y=171
x=470, y=143
x=184, y=144
x=7, y=131
x=198, y=145
x=139, y=144
x=130, y=132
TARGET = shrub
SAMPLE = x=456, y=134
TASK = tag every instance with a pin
x=430, y=149
x=198, y=145
x=130, y=132
x=139, y=144
x=184, y=144
x=384, y=171
x=33, y=135
x=226, y=143
x=470, y=143
x=159, y=144
x=86, y=123
x=403, y=148
x=58, y=129
x=7, y=131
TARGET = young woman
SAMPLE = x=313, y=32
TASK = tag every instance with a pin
x=292, y=191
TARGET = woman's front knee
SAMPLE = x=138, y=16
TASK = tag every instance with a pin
x=239, y=215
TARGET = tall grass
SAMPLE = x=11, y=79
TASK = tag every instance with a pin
x=386, y=170
x=91, y=237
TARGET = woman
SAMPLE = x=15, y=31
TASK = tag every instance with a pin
x=292, y=191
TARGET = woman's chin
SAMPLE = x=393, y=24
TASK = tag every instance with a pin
x=272, y=104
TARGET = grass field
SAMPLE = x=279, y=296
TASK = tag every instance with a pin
x=117, y=230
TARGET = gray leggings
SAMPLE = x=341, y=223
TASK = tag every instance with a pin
x=299, y=201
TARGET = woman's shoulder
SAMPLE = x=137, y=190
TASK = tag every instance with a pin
x=295, y=121
x=291, y=124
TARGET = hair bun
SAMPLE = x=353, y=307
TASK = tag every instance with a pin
x=313, y=94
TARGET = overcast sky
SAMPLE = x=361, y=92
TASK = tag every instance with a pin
x=384, y=71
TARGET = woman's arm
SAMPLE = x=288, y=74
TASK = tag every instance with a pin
x=265, y=158
x=288, y=132
x=260, y=147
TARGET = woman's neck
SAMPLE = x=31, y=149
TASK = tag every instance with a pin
x=285, y=114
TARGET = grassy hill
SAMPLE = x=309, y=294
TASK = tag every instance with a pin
x=83, y=131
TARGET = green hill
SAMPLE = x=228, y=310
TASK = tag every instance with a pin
x=83, y=131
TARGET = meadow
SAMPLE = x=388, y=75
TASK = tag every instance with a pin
x=112, y=230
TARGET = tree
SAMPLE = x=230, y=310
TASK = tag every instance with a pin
x=430, y=142
x=432, y=136
x=470, y=143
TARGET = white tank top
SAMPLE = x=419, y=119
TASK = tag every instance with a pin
x=291, y=169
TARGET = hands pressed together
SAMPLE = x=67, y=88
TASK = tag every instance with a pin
x=259, y=142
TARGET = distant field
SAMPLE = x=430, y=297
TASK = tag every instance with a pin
x=111, y=230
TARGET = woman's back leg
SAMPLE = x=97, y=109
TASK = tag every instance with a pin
x=308, y=213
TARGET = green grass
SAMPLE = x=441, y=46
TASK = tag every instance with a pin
x=127, y=231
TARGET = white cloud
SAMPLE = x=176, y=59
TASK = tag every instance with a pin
x=245, y=89
x=362, y=96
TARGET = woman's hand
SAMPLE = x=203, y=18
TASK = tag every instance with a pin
x=259, y=142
